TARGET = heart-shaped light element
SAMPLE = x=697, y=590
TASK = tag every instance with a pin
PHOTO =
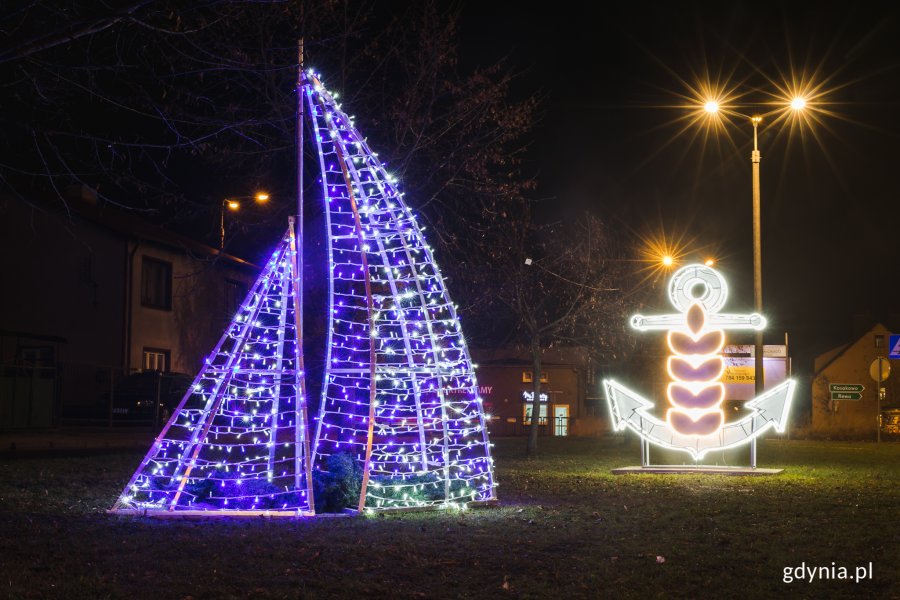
x=695, y=371
x=706, y=423
x=710, y=342
x=688, y=397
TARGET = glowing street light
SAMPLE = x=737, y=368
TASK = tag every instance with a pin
x=234, y=204
x=667, y=261
x=798, y=103
x=711, y=107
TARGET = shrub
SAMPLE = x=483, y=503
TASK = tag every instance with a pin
x=338, y=487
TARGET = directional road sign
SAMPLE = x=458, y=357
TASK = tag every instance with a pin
x=846, y=391
x=846, y=387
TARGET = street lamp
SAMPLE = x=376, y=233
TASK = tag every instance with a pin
x=796, y=104
x=712, y=107
x=233, y=204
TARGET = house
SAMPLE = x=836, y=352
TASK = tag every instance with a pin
x=844, y=402
x=94, y=293
x=569, y=392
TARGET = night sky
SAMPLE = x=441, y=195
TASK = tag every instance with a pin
x=621, y=86
x=614, y=138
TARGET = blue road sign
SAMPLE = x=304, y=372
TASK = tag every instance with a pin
x=894, y=347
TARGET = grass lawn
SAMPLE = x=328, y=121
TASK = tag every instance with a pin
x=566, y=528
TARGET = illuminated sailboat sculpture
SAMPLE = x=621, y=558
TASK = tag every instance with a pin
x=238, y=441
x=399, y=396
x=694, y=421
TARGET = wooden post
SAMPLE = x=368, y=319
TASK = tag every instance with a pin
x=301, y=425
x=364, y=259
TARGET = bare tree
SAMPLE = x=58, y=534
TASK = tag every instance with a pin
x=548, y=285
x=138, y=100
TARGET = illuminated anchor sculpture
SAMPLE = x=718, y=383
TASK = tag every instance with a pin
x=695, y=422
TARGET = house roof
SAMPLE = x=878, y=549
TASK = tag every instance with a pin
x=131, y=224
x=834, y=354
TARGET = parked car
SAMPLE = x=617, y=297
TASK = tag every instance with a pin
x=135, y=397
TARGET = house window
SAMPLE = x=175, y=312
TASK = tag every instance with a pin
x=40, y=359
x=156, y=283
x=542, y=419
x=235, y=292
x=879, y=341
x=36, y=356
x=156, y=359
x=528, y=377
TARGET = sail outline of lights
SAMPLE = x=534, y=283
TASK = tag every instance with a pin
x=419, y=432
x=238, y=443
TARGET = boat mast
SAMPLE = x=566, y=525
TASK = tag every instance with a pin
x=301, y=426
x=300, y=81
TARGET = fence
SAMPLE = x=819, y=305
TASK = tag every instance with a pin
x=518, y=426
x=84, y=394
x=27, y=395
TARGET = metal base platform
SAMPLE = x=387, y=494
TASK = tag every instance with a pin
x=435, y=507
x=347, y=512
x=192, y=514
x=695, y=470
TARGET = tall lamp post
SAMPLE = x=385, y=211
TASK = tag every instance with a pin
x=759, y=349
x=234, y=204
x=712, y=107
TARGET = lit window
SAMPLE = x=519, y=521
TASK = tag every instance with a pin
x=528, y=377
x=541, y=421
x=156, y=360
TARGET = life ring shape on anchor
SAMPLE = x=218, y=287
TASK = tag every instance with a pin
x=698, y=283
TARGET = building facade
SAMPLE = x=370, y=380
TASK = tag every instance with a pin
x=844, y=401
x=569, y=392
x=94, y=294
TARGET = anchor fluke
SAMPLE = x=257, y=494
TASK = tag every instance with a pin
x=631, y=411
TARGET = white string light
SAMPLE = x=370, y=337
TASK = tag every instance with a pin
x=428, y=447
x=399, y=395
x=236, y=441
